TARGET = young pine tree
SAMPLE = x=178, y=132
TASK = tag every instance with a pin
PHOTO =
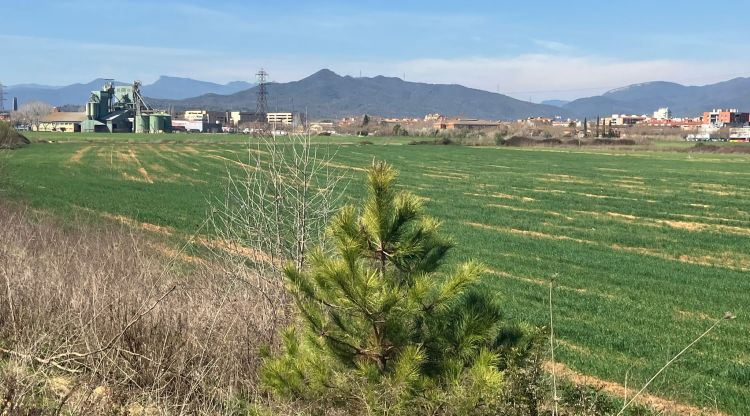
x=382, y=326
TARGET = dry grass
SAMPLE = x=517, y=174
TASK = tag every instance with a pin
x=95, y=321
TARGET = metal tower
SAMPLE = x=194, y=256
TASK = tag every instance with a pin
x=261, y=109
x=139, y=103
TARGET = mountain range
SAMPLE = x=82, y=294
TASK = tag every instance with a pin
x=684, y=101
x=78, y=94
x=327, y=94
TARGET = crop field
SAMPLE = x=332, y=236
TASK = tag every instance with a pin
x=648, y=248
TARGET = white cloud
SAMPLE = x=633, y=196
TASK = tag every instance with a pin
x=531, y=76
x=543, y=76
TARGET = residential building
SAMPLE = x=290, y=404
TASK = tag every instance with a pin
x=622, y=120
x=434, y=117
x=663, y=114
x=538, y=121
x=280, y=118
x=725, y=117
x=322, y=126
x=195, y=115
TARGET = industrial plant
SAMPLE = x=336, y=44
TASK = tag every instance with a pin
x=116, y=109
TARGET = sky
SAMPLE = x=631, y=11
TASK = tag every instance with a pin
x=529, y=50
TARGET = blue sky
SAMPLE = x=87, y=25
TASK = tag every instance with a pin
x=529, y=50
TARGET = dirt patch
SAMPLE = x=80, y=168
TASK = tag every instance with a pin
x=727, y=260
x=529, y=233
x=540, y=282
x=172, y=253
x=354, y=168
x=573, y=347
x=654, y=402
x=611, y=170
x=439, y=176
x=130, y=157
x=157, y=229
x=549, y=191
x=78, y=155
x=145, y=174
x=500, y=195
x=694, y=315
x=236, y=162
x=235, y=248
x=623, y=216
x=684, y=225
x=700, y=226
x=535, y=211
x=595, y=196
x=190, y=150
x=564, y=179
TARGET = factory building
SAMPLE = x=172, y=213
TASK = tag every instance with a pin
x=122, y=109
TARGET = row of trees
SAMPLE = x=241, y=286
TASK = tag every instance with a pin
x=31, y=113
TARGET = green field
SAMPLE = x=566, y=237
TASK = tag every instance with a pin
x=649, y=247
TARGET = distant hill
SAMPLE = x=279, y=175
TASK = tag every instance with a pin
x=555, y=103
x=682, y=100
x=326, y=94
x=78, y=94
x=179, y=88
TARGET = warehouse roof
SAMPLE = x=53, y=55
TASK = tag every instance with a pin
x=61, y=117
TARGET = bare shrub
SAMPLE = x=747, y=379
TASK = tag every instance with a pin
x=95, y=322
x=273, y=211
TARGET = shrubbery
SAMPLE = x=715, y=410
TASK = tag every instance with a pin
x=384, y=327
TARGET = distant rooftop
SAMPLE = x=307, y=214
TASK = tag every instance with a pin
x=63, y=117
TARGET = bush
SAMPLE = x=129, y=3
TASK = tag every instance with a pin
x=10, y=138
x=519, y=141
x=96, y=320
x=383, y=327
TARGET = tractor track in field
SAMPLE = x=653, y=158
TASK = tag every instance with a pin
x=659, y=404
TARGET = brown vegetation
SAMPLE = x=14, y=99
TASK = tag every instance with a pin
x=712, y=148
x=94, y=321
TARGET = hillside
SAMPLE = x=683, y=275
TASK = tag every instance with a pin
x=75, y=94
x=326, y=94
x=78, y=94
x=682, y=100
x=179, y=88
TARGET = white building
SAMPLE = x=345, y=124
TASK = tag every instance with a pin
x=281, y=118
x=663, y=114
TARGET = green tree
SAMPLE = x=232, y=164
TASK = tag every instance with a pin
x=382, y=326
x=365, y=120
